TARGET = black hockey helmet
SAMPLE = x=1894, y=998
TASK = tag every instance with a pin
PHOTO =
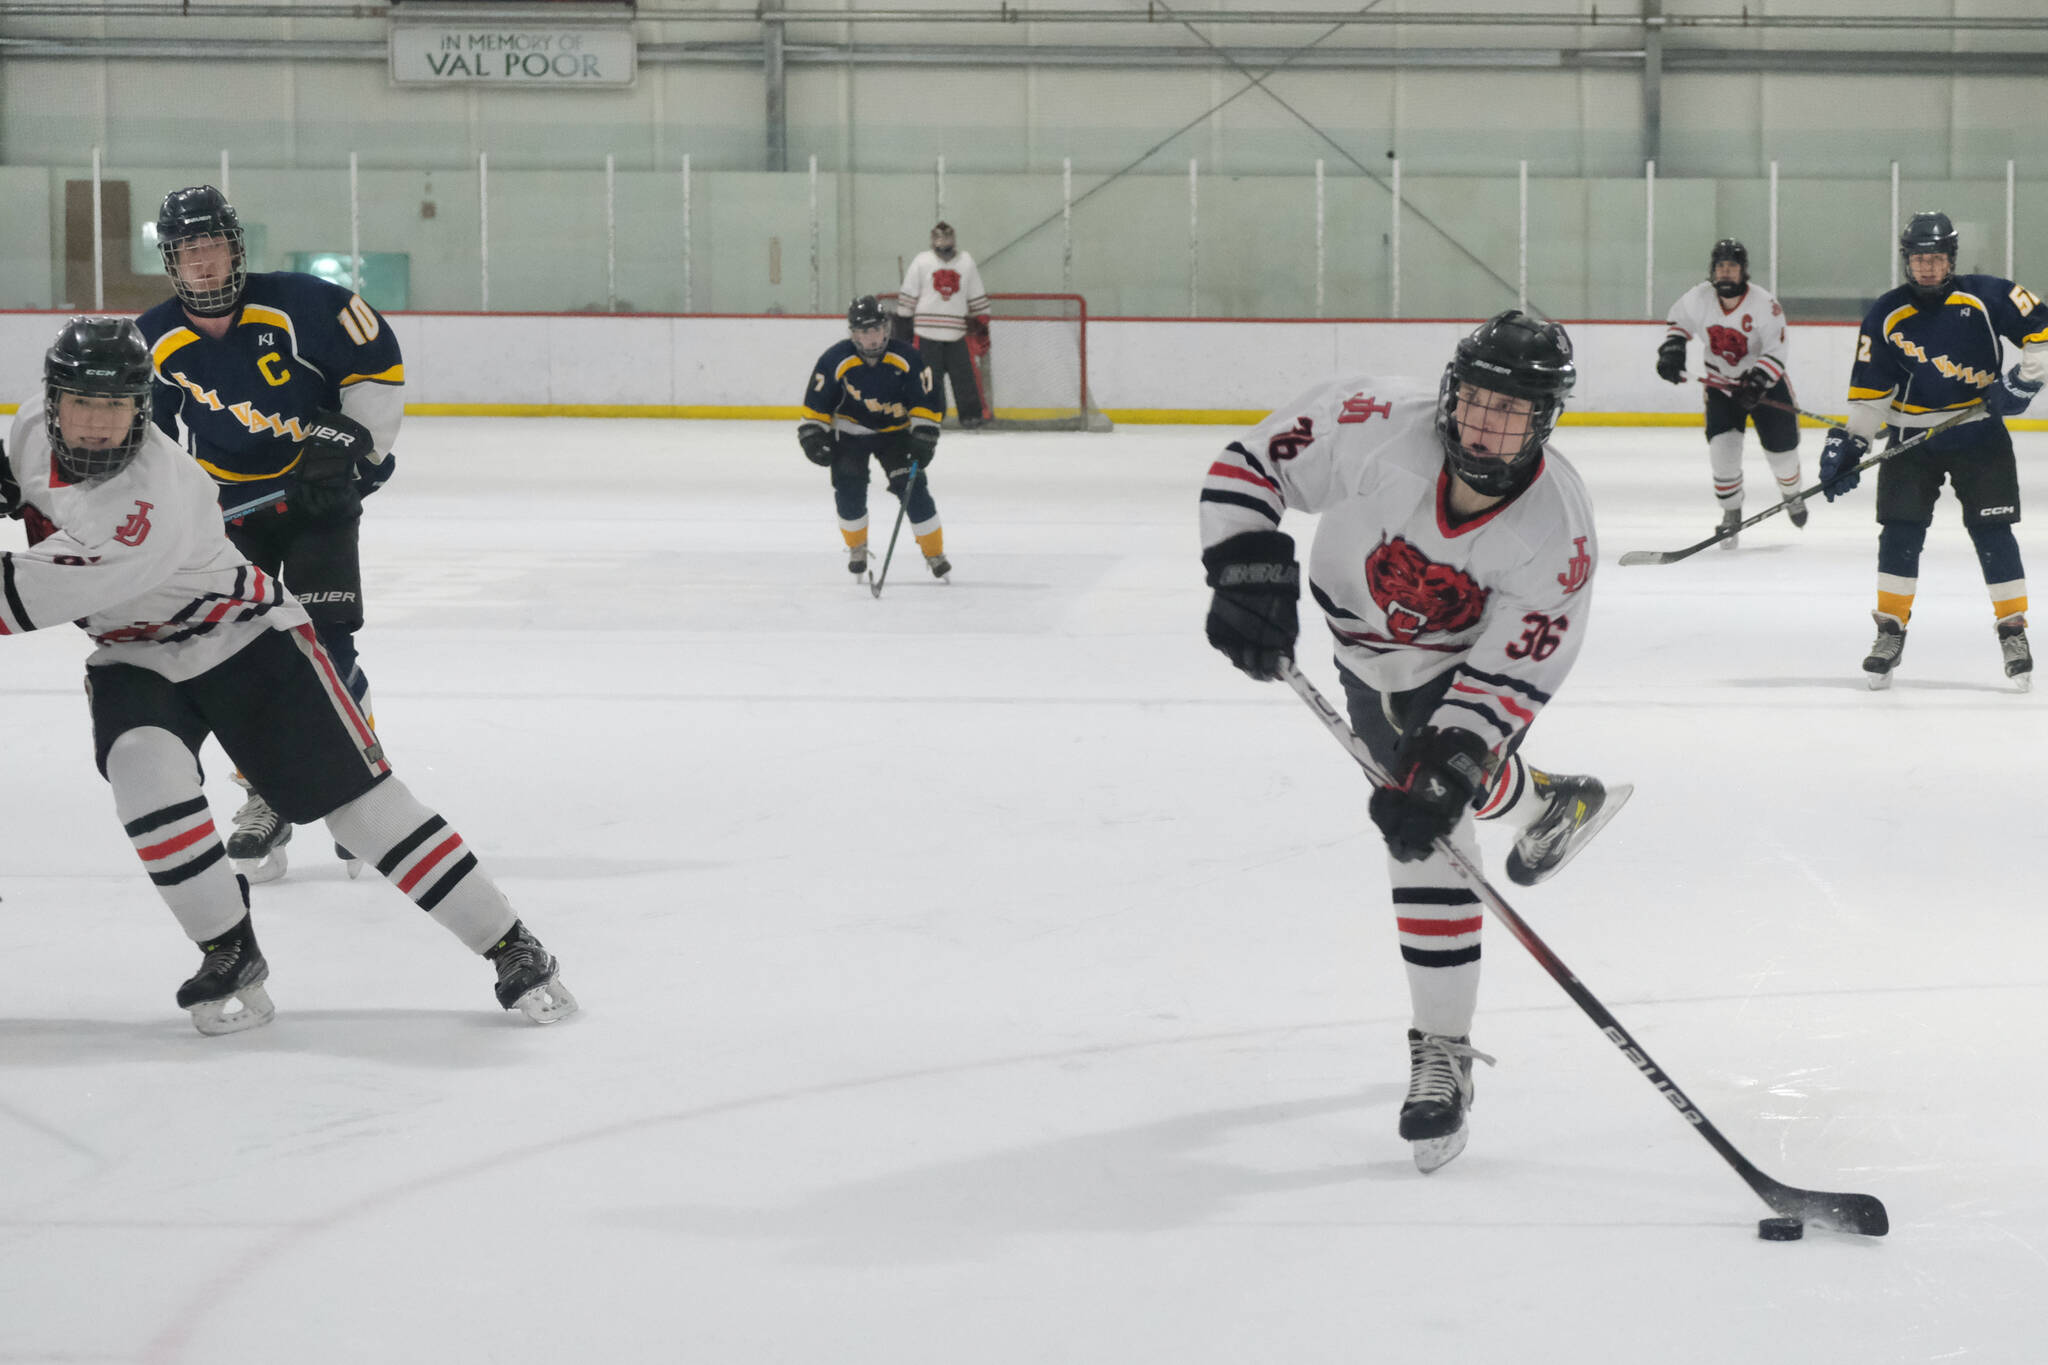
x=1928, y=234
x=195, y=212
x=1728, y=249
x=97, y=358
x=1521, y=357
x=866, y=312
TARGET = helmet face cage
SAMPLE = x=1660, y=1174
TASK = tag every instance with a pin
x=191, y=217
x=1929, y=234
x=96, y=358
x=1728, y=249
x=866, y=314
x=1511, y=356
x=218, y=300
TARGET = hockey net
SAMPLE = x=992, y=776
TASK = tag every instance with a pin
x=1034, y=376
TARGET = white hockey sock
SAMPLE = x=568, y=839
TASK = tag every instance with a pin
x=1438, y=918
x=1724, y=456
x=157, y=796
x=1785, y=468
x=414, y=849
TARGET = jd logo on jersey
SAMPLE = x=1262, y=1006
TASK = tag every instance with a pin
x=1418, y=595
x=1577, y=568
x=135, y=530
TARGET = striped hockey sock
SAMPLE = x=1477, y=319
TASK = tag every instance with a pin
x=415, y=850
x=164, y=813
x=1439, y=920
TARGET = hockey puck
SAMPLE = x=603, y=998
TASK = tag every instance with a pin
x=1780, y=1229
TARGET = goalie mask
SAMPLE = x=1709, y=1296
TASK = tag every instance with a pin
x=943, y=242
x=1929, y=234
x=208, y=278
x=1506, y=385
x=102, y=366
x=868, y=325
x=1728, y=249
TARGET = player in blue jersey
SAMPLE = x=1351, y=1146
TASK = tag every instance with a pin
x=867, y=397
x=1928, y=350
x=288, y=390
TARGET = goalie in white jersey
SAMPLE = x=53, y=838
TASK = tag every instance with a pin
x=1741, y=332
x=1454, y=563
x=125, y=538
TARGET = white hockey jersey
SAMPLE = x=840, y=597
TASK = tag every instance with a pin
x=139, y=560
x=1408, y=593
x=938, y=295
x=1733, y=340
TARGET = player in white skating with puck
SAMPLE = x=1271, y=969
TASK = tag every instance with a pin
x=1454, y=564
x=192, y=639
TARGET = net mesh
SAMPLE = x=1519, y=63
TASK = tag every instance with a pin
x=1034, y=375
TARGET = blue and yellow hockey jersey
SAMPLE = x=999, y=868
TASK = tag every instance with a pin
x=854, y=398
x=297, y=346
x=1931, y=362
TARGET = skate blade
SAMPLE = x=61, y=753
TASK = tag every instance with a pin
x=2023, y=681
x=269, y=868
x=355, y=868
x=214, y=1017
x=1878, y=681
x=1433, y=1154
x=547, y=1003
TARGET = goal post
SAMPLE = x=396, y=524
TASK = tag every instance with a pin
x=1034, y=376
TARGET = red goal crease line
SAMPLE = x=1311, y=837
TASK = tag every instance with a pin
x=1233, y=417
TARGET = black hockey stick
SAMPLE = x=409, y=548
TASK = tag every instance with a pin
x=1858, y=1213
x=1720, y=385
x=1870, y=462
x=875, y=585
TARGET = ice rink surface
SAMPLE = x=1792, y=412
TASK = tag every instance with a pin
x=990, y=974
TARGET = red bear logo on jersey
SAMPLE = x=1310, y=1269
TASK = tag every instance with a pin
x=1419, y=596
x=1727, y=343
x=946, y=283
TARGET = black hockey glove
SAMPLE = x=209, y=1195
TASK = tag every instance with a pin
x=1252, y=612
x=1671, y=360
x=1437, y=773
x=2009, y=396
x=1755, y=384
x=327, y=467
x=1838, y=461
x=817, y=444
x=899, y=328
x=924, y=445
x=371, y=477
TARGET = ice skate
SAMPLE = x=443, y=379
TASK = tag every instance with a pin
x=1575, y=809
x=349, y=860
x=2019, y=658
x=1795, y=511
x=528, y=978
x=226, y=995
x=1730, y=519
x=857, y=559
x=257, y=845
x=1891, y=643
x=1439, y=1092
x=940, y=567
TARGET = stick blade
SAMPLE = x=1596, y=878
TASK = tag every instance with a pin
x=1862, y=1214
x=1634, y=557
